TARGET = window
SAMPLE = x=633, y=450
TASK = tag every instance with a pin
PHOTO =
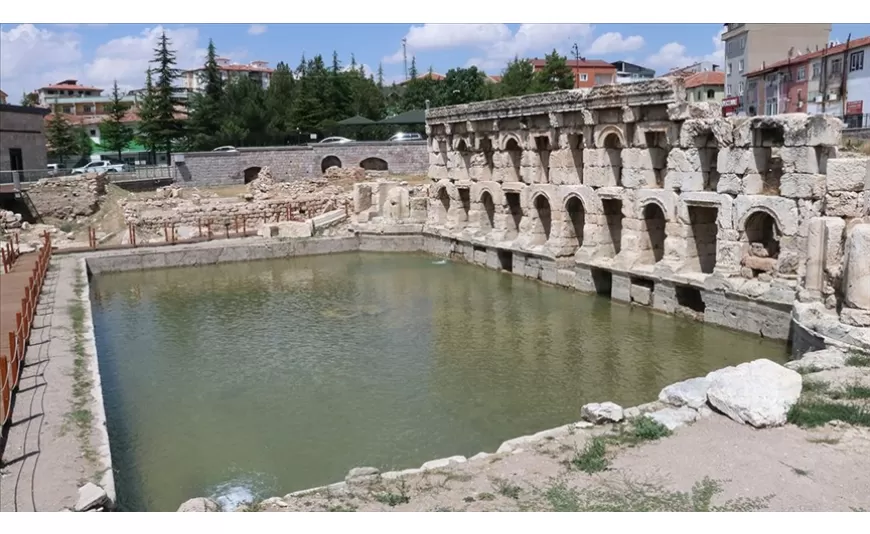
x=801, y=74
x=67, y=109
x=89, y=109
x=817, y=69
x=800, y=99
x=584, y=77
x=729, y=68
x=740, y=66
x=740, y=88
x=743, y=43
x=728, y=90
x=856, y=61
x=711, y=93
x=698, y=96
x=836, y=65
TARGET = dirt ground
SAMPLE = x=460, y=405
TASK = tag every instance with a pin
x=714, y=464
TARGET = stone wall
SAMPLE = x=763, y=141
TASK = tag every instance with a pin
x=631, y=191
x=290, y=163
x=68, y=197
x=22, y=128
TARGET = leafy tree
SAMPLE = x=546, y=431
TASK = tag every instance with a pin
x=207, y=107
x=279, y=102
x=61, y=137
x=555, y=75
x=84, y=147
x=517, y=79
x=461, y=86
x=29, y=100
x=115, y=134
x=246, y=119
x=167, y=126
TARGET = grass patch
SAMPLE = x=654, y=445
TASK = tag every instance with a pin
x=341, y=508
x=815, y=386
x=485, y=496
x=808, y=370
x=391, y=498
x=643, y=429
x=80, y=416
x=591, y=459
x=504, y=487
x=824, y=441
x=810, y=414
x=641, y=497
x=858, y=360
x=852, y=392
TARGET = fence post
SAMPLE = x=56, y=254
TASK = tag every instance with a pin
x=5, y=390
x=3, y=256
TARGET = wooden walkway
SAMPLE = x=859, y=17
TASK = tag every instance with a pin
x=19, y=293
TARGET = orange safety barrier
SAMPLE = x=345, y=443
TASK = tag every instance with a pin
x=19, y=281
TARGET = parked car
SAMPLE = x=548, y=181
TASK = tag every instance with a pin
x=224, y=149
x=55, y=169
x=399, y=137
x=100, y=166
x=333, y=140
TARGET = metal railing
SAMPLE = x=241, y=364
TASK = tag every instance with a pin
x=149, y=172
x=12, y=363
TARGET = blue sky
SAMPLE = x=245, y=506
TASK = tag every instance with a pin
x=34, y=55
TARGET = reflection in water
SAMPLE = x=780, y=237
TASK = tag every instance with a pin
x=307, y=367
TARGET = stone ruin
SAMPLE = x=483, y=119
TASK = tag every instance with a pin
x=631, y=191
x=68, y=197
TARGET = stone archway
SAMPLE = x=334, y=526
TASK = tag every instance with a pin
x=373, y=164
x=544, y=217
x=444, y=204
x=488, y=221
x=613, y=145
x=576, y=219
x=762, y=235
x=251, y=174
x=654, y=222
x=329, y=161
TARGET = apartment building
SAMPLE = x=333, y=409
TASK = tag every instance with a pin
x=258, y=71
x=833, y=80
x=749, y=46
x=705, y=86
x=694, y=68
x=65, y=89
x=587, y=72
x=629, y=72
x=3, y=97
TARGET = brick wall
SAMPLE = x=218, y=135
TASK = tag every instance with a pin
x=291, y=163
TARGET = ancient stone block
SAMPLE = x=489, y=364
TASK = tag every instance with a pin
x=848, y=174
x=730, y=184
x=856, y=278
x=843, y=204
x=638, y=178
x=753, y=184
x=699, y=133
x=796, y=185
x=684, y=160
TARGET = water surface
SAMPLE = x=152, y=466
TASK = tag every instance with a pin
x=256, y=379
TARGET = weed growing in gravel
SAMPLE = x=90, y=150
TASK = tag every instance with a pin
x=394, y=499
x=856, y=359
x=815, y=413
x=852, y=392
x=504, y=487
x=643, y=429
x=642, y=497
x=815, y=386
x=591, y=459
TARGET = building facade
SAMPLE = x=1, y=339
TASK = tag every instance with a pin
x=749, y=46
x=832, y=80
x=706, y=86
x=22, y=140
x=3, y=97
x=694, y=68
x=587, y=72
x=629, y=72
x=258, y=71
x=65, y=89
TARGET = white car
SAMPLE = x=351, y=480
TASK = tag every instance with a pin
x=99, y=167
x=333, y=140
x=224, y=149
x=399, y=137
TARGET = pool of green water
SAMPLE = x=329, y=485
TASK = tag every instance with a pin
x=243, y=381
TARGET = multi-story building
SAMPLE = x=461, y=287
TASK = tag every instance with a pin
x=587, y=72
x=694, y=68
x=65, y=89
x=832, y=80
x=258, y=71
x=3, y=97
x=705, y=86
x=629, y=72
x=749, y=46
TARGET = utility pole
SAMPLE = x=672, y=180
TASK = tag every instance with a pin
x=576, y=50
x=405, y=56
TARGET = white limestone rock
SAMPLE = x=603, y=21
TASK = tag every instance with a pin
x=200, y=504
x=673, y=418
x=604, y=412
x=759, y=393
x=91, y=496
x=691, y=393
x=362, y=474
x=443, y=462
x=820, y=360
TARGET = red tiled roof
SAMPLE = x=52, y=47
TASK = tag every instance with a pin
x=237, y=68
x=85, y=120
x=710, y=77
x=496, y=78
x=433, y=75
x=854, y=43
x=574, y=63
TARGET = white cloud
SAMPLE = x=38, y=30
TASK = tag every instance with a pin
x=31, y=56
x=614, y=43
x=674, y=54
x=257, y=29
x=495, y=44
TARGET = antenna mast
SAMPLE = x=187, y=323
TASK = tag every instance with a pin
x=405, y=56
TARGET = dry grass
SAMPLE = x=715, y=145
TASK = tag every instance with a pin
x=862, y=146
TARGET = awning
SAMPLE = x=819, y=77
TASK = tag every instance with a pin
x=415, y=116
x=358, y=120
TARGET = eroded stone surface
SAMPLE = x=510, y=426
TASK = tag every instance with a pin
x=604, y=412
x=757, y=393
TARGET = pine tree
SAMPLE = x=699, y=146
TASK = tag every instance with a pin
x=352, y=62
x=517, y=79
x=555, y=75
x=116, y=135
x=380, y=75
x=413, y=71
x=279, y=102
x=207, y=107
x=167, y=127
x=303, y=67
x=61, y=137
x=147, y=133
